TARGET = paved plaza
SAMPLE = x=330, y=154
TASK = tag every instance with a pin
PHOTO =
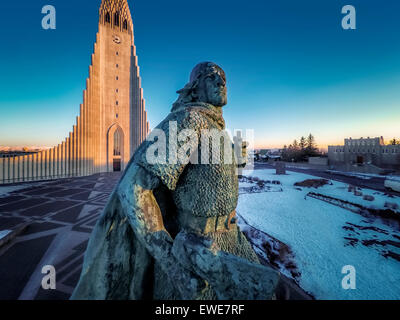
x=60, y=215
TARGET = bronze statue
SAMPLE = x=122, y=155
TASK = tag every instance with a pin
x=169, y=229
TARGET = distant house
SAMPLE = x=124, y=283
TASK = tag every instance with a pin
x=267, y=154
x=364, y=151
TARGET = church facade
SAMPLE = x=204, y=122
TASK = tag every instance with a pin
x=112, y=122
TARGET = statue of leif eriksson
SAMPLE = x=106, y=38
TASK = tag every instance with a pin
x=169, y=230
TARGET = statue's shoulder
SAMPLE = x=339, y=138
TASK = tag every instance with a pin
x=197, y=116
x=189, y=117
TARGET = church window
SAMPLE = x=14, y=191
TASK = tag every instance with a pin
x=125, y=25
x=116, y=19
x=108, y=17
x=117, y=143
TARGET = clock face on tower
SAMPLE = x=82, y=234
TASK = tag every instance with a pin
x=116, y=39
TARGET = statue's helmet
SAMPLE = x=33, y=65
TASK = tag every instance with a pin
x=205, y=68
x=200, y=71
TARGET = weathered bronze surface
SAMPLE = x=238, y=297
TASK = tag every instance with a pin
x=169, y=230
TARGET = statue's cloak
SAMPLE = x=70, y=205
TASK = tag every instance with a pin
x=117, y=265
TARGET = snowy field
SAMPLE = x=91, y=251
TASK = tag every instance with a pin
x=324, y=237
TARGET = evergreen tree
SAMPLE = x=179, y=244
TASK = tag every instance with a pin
x=295, y=145
x=302, y=143
x=300, y=151
x=311, y=147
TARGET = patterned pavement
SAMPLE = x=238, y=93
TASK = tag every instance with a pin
x=61, y=215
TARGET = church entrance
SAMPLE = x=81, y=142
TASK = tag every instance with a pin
x=117, y=165
x=115, y=149
x=360, y=160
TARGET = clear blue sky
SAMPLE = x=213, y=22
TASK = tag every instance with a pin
x=291, y=68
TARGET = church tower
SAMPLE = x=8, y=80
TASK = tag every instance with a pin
x=112, y=121
x=117, y=88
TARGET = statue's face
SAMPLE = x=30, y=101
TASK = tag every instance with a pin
x=212, y=88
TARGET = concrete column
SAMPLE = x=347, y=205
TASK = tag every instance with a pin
x=25, y=168
x=34, y=166
x=78, y=146
x=89, y=104
x=72, y=170
x=57, y=161
x=51, y=162
x=11, y=173
x=22, y=168
x=54, y=162
x=17, y=175
x=62, y=159
x=45, y=167
x=142, y=122
x=88, y=128
x=16, y=169
x=7, y=169
x=75, y=140
x=84, y=139
x=29, y=167
x=90, y=134
x=1, y=170
x=6, y=176
x=48, y=163
x=68, y=156
x=39, y=165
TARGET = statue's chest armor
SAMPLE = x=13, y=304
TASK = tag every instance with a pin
x=208, y=190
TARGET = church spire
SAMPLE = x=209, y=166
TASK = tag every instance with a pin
x=116, y=14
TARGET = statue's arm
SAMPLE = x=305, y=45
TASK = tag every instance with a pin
x=136, y=196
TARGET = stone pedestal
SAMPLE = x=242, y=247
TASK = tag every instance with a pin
x=280, y=168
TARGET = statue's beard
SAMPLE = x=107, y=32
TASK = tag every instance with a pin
x=219, y=98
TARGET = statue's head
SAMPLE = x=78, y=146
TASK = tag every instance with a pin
x=207, y=84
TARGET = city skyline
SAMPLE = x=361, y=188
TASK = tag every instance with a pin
x=291, y=69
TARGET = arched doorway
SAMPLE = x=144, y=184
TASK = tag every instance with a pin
x=115, y=150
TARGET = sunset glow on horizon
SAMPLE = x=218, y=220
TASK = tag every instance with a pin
x=291, y=69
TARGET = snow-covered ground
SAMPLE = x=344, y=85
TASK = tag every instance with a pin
x=324, y=238
x=359, y=175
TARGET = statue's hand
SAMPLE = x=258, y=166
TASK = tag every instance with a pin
x=241, y=154
x=230, y=276
x=188, y=284
x=243, y=163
